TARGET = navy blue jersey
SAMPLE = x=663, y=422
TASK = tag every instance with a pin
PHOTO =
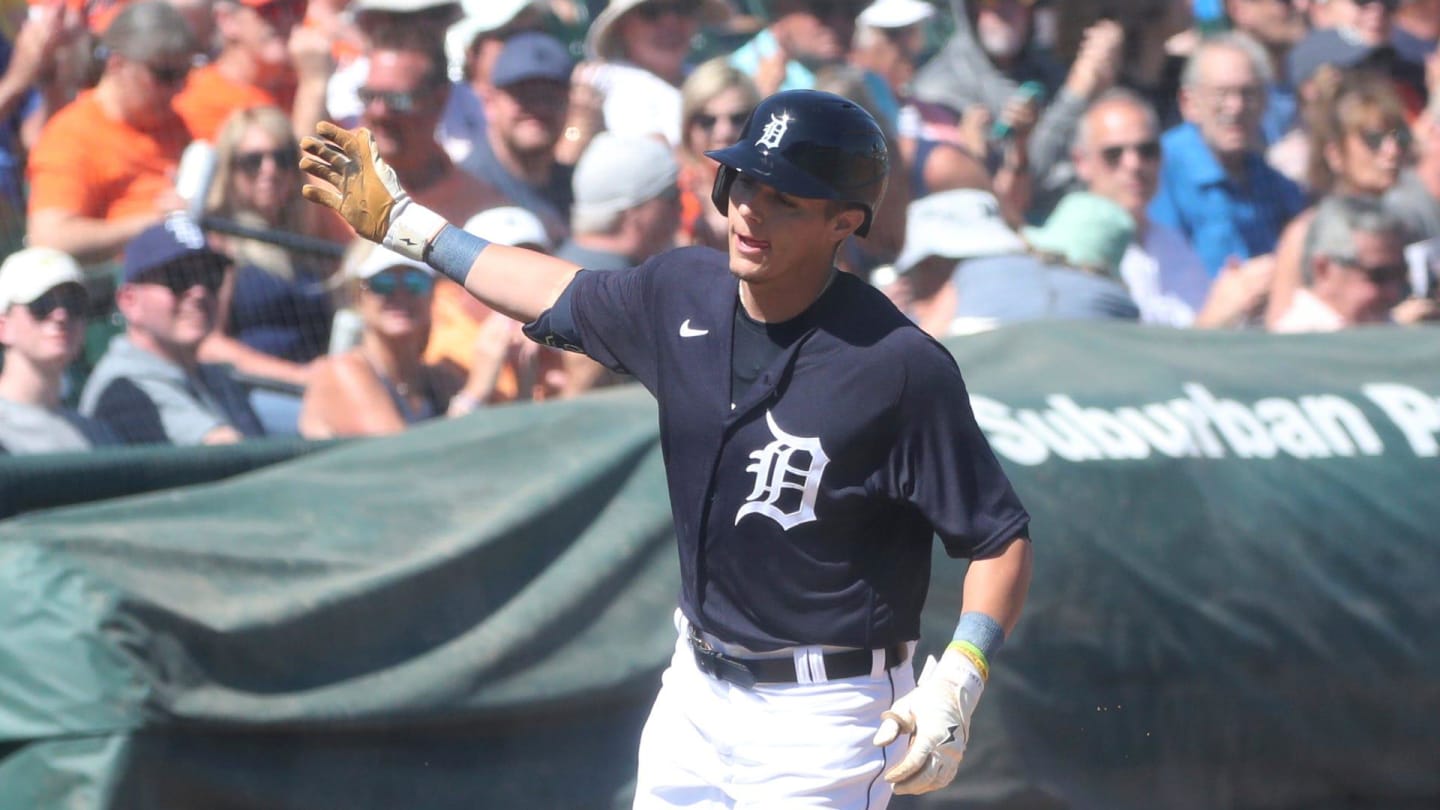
x=805, y=513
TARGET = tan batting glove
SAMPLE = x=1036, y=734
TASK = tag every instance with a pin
x=364, y=190
x=937, y=716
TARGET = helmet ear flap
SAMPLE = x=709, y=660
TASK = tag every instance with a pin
x=720, y=192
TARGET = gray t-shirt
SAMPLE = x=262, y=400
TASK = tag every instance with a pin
x=145, y=398
x=1021, y=287
x=1414, y=205
x=26, y=428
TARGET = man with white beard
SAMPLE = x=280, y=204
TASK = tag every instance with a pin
x=992, y=53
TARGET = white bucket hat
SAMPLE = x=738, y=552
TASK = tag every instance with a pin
x=603, y=43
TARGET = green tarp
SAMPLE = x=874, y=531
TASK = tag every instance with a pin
x=1234, y=603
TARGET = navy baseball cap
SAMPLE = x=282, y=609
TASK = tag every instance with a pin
x=174, y=240
x=532, y=55
x=1330, y=46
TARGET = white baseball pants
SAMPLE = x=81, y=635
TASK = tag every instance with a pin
x=710, y=744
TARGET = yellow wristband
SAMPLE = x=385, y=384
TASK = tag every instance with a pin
x=976, y=657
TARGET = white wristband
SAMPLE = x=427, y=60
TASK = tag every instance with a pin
x=412, y=227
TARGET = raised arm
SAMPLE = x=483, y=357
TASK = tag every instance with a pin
x=360, y=186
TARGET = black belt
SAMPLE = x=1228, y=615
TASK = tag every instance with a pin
x=746, y=672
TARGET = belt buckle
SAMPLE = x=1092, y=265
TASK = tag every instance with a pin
x=719, y=665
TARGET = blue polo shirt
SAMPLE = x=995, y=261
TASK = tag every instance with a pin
x=806, y=511
x=1219, y=216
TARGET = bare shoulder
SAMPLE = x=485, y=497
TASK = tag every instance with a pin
x=949, y=167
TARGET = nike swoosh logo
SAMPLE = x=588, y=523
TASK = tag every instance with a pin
x=686, y=330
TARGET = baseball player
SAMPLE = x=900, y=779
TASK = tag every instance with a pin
x=815, y=442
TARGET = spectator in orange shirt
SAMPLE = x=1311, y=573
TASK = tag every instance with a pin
x=267, y=58
x=102, y=169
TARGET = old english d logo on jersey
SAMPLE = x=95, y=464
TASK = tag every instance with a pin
x=774, y=131
x=784, y=467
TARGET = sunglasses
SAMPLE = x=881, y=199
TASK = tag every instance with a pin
x=394, y=100
x=1376, y=138
x=1148, y=151
x=69, y=297
x=179, y=280
x=707, y=122
x=169, y=74
x=1380, y=274
x=286, y=157
x=650, y=12
x=416, y=282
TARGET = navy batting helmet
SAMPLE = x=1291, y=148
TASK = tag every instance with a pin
x=809, y=144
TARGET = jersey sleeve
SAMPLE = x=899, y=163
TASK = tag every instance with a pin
x=605, y=315
x=943, y=465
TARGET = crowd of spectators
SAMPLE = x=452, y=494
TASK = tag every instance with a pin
x=1245, y=164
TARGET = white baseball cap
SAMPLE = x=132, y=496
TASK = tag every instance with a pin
x=960, y=224
x=895, y=13
x=509, y=225
x=27, y=274
x=380, y=259
x=618, y=172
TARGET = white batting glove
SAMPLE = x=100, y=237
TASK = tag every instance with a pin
x=365, y=191
x=937, y=716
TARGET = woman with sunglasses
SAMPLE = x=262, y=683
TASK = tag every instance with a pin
x=383, y=384
x=42, y=330
x=716, y=100
x=275, y=309
x=1360, y=140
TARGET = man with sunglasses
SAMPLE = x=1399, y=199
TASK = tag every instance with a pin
x=42, y=329
x=102, y=169
x=805, y=527
x=1117, y=156
x=1357, y=268
x=149, y=386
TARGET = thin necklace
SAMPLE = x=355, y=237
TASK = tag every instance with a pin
x=401, y=388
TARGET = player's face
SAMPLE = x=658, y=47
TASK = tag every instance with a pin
x=775, y=236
